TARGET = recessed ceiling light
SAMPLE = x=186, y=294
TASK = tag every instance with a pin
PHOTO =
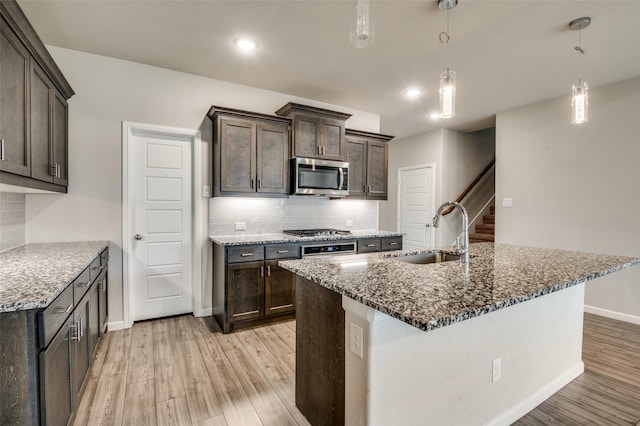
x=412, y=92
x=435, y=116
x=245, y=44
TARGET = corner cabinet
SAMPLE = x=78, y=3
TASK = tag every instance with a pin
x=249, y=287
x=33, y=107
x=250, y=153
x=368, y=157
x=317, y=132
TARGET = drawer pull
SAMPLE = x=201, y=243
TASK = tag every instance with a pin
x=246, y=254
x=371, y=245
x=393, y=244
x=283, y=251
x=84, y=285
x=66, y=310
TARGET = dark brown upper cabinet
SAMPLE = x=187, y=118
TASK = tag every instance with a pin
x=14, y=106
x=317, y=132
x=250, y=153
x=33, y=107
x=368, y=157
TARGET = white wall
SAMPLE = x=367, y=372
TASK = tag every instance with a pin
x=109, y=91
x=417, y=150
x=458, y=158
x=576, y=187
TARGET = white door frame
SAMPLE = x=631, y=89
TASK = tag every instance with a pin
x=129, y=129
x=431, y=166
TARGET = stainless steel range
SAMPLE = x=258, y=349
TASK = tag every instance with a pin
x=316, y=232
x=324, y=248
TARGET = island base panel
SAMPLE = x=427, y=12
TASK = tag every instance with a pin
x=319, y=354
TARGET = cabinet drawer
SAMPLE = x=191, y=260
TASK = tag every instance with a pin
x=94, y=269
x=104, y=257
x=245, y=254
x=51, y=318
x=368, y=245
x=282, y=251
x=391, y=243
x=81, y=284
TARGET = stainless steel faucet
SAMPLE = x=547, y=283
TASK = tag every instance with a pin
x=461, y=247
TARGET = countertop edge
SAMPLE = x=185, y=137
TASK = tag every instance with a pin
x=59, y=288
x=279, y=238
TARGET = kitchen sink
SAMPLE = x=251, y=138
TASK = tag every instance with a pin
x=430, y=257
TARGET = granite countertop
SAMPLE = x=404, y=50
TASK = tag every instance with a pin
x=242, y=240
x=440, y=294
x=32, y=275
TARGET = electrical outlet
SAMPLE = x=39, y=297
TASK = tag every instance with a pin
x=507, y=202
x=206, y=191
x=496, y=370
x=349, y=223
x=241, y=226
x=357, y=340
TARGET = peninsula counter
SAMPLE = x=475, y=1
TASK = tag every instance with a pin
x=440, y=343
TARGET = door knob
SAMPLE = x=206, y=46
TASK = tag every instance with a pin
x=138, y=237
x=427, y=225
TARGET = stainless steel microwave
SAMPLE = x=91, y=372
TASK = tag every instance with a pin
x=313, y=176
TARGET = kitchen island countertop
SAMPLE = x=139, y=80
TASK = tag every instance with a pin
x=32, y=275
x=241, y=240
x=440, y=294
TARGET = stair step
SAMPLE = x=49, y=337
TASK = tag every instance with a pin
x=492, y=209
x=486, y=228
x=481, y=238
x=489, y=218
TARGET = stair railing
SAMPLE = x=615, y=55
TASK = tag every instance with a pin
x=472, y=185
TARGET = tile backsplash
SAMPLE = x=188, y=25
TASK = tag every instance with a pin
x=12, y=220
x=271, y=215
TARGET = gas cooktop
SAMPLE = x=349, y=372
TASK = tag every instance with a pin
x=315, y=232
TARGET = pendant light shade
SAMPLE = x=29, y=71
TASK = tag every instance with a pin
x=362, y=31
x=448, y=77
x=580, y=90
x=448, y=94
x=580, y=103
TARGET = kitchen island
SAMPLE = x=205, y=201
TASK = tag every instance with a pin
x=441, y=343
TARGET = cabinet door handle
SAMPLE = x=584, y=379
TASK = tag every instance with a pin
x=64, y=310
x=81, y=328
x=53, y=170
x=246, y=254
x=75, y=331
x=282, y=251
x=371, y=245
x=268, y=270
x=252, y=183
x=259, y=184
x=1, y=149
x=58, y=170
x=262, y=272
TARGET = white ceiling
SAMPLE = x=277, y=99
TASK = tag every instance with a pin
x=506, y=53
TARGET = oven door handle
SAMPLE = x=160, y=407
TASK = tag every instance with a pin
x=341, y=171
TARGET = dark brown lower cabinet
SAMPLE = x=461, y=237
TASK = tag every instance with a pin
x=55, y=378
x=280, y=290
x=81, y=355
x=246, y=290
x=93, y=326
x=249, y=287
x=103, y=304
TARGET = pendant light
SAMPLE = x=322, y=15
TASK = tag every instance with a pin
x=579, y=90
x=448, y=77
x=361, y=34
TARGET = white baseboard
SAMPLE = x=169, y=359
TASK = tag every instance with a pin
x=116, y=325
x=514, y=413
x=206, y=312
x=633, y=319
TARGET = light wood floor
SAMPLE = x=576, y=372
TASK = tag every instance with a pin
x=608, y=393
x=177, y=371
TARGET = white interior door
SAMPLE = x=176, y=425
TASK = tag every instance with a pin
x=415, y=206
x=161, y=278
